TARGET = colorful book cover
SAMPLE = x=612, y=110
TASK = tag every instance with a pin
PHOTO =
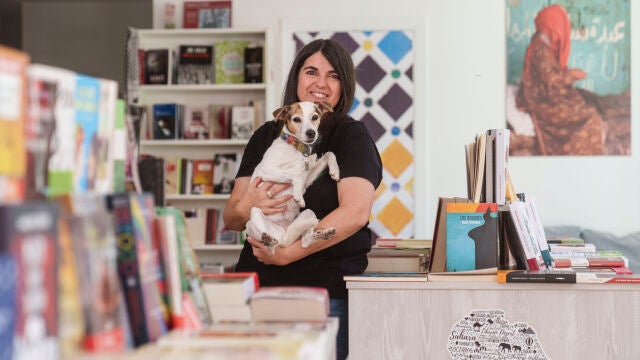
x=119, y=147
x=196, y=122
x=156, y=66
x=166, y=121
x=8, y=274
x=94, y=243
x=206, y=14
x=62, y=147
x=172, y=175
x=202, y=178
x=31, y=231
x=107, y=148
x=229, y=55
x=13, y=109
x=195, y=64
x=39, y=129
x=472, y=236
x=87, y=102
x=224, y=172
x=155, y=311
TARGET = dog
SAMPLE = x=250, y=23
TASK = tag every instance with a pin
x=289, y=160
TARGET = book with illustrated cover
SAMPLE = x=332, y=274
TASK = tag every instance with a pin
x=156, y=66
x=166, y=121
x=229, y=65
x=30, y=232
x=202, y=178
x=87, y=100
x=196, y=122
x=439, y=243
x=195, y=64
x=253, y=64
x=224, y=172
x=472, y=236
x=220, y=121
x=206, y=14
x=242, y=122
x=13, y=114
x=172, y=175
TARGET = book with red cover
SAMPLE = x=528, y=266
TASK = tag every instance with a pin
x=206, y=14
x=596, y=261
x=603, y=278
x=30, y=232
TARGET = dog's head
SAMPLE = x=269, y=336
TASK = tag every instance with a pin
x=302, y=119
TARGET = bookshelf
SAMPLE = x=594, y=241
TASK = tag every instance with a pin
x=199, y=94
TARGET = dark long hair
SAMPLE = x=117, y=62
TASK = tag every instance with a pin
x=341, y=61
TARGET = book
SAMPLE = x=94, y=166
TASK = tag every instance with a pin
x=224, y=172
x=472, y=236
x=213, y=218
x=398, y=260
x=290, y=303
x=196, y=122
x=195, y=222
x=403, y=243
x=228, y=313
x=600, y=278
x=229, y=289
x=206, y=14
x=390, y=277
x=202, y=177
x=172, y=175
x=253, y=64
x=195, y=65
x=540, y=276
x=152, y=177
x=229, y=61
x=564, y=248
x=62, y=151
x=166, y=121
x=29, y=232
x=591, y=261
x=525, y=247
x=439, y=244
x=156, y=66
x=501, y=163
x=220, y=121
x=464, y=276
x=168, y=248
x=13, y=118
x=8, y=275
x=242, y=121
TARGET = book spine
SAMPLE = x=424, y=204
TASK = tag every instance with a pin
x=529, y=254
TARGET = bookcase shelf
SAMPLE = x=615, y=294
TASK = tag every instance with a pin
x=203, y=95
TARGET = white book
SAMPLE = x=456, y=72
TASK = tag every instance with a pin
x=242, y=122
x=501, y=163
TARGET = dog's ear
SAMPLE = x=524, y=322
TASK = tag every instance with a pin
x=323, y=107
x=281, y=114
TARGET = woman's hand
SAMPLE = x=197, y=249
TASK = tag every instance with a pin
x=262, y=253
x=264, y=194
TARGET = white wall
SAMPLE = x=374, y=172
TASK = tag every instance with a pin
x=462, y=93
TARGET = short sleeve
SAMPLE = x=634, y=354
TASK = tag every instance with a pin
x=357, y=154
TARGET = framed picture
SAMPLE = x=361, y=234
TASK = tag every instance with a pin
x=568, y=77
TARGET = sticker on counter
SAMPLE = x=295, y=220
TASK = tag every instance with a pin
x=486, y=334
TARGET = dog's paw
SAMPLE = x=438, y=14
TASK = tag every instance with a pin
x=267, y=240
x=299, y=201
x=324, y=234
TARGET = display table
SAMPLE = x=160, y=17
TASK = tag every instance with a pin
x=421, y=320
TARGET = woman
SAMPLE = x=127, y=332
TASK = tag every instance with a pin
x=564, y=123
x=322, y=71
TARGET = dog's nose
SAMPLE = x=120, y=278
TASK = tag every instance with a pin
x=310, y=133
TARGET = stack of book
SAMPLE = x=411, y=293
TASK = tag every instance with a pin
x=399, y=255
x=228, y=295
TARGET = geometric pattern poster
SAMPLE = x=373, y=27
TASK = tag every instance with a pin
x=596, y=115
x=384, y=103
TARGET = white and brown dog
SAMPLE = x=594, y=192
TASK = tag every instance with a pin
x=289, y=160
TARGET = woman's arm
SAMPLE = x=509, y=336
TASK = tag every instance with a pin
x=355, y=199
x=246, y=195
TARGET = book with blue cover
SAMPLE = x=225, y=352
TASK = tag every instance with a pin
x=472, y=236
x=166, y=121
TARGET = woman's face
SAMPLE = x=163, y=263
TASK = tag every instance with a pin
x=318, y=81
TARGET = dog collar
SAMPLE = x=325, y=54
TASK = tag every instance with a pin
x=300, y=146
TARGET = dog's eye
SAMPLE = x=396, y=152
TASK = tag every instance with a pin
x=314, y=117
x=296, y=119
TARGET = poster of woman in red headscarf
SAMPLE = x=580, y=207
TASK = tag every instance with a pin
x=568, y=77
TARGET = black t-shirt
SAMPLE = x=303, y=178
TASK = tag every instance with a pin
x=357, y=156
